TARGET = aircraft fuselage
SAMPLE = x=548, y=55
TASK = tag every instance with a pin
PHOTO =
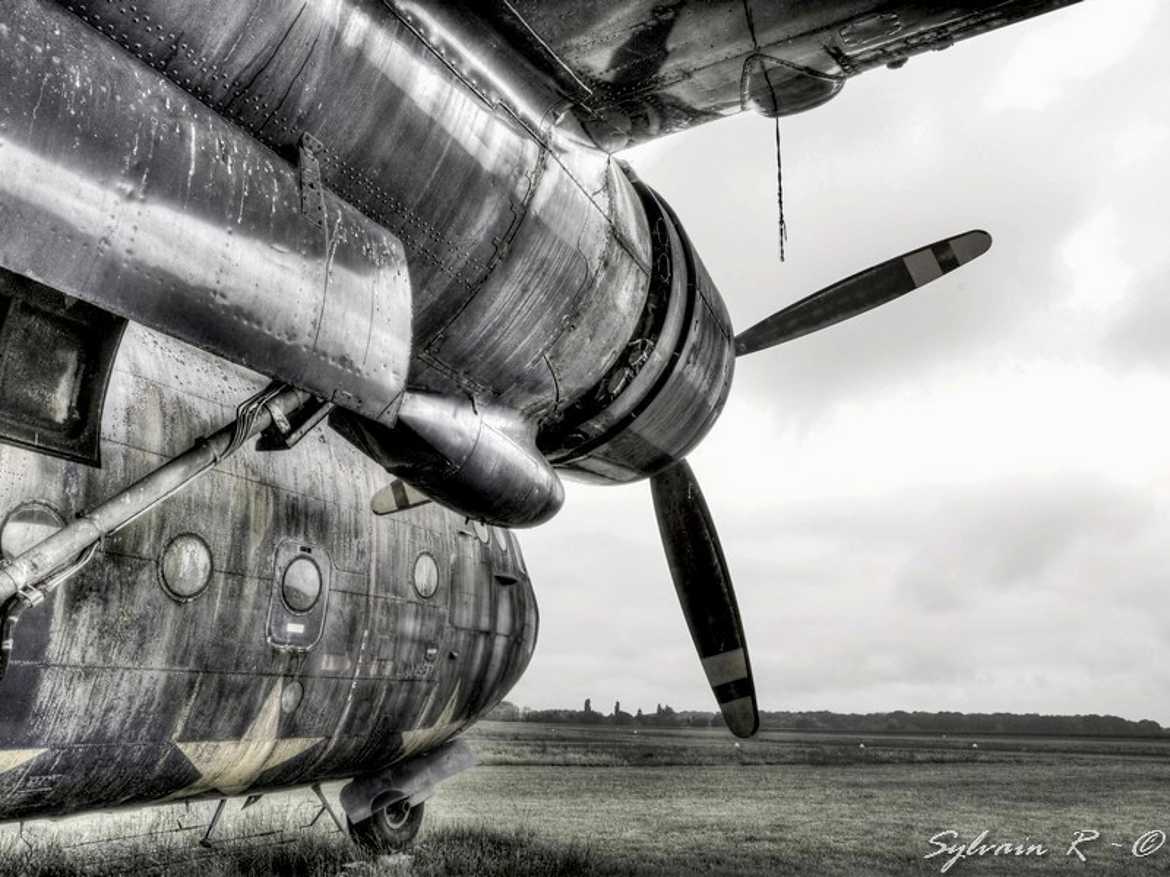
x=398, y=210
x=141, y=682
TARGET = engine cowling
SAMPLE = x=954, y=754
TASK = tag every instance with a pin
x=668, y=386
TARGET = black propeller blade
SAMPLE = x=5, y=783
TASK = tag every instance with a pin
x=863, y=291
x=704, y=590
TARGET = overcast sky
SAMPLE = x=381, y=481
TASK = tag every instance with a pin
x=962, y=500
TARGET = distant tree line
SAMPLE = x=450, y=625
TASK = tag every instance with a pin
x=899, y=721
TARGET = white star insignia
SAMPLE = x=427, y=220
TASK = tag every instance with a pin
x=231, y=766
x=429, y=738
x=11, y=759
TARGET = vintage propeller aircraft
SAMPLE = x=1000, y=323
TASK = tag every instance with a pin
x=305, y=307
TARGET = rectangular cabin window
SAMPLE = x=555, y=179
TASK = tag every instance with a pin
x=56, y=354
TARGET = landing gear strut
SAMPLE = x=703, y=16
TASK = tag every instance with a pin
x=380, y=827
x=389, y=829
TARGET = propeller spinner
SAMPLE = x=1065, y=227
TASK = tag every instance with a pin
x=689, y=538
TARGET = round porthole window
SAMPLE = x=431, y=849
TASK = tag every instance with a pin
x=301, y=585
x=426, y=575
x=185, y=567
x=26, y=525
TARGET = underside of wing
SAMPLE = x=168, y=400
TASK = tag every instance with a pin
x=636, y=70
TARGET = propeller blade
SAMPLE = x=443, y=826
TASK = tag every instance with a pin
x=397, y=496
x=863, y=291
x=704, y=590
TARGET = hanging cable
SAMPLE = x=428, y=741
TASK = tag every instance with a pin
x=782, y=227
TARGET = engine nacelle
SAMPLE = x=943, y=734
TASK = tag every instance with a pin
x=667, y=387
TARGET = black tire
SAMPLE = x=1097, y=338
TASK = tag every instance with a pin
x=389, y=830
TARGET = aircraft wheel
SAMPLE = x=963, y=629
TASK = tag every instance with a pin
x=389, y=830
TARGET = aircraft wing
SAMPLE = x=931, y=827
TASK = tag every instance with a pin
x=635, y=70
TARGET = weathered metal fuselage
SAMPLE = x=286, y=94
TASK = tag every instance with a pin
x=156, y=157
x=391, y=206
x=540, y=274
x=122, y=691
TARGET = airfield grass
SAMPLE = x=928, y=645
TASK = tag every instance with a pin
x=553, y=800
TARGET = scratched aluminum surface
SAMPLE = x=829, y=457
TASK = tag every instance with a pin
x=548, y=314
x=526, y=251
x=119, y=694
x=120, y=189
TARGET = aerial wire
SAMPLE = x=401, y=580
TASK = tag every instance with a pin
x=782, y=226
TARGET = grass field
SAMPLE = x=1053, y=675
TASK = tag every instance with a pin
x=575, y=800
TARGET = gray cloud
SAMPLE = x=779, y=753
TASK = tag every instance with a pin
x=900, y=159
x=959, y=501
x=1139, y=337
